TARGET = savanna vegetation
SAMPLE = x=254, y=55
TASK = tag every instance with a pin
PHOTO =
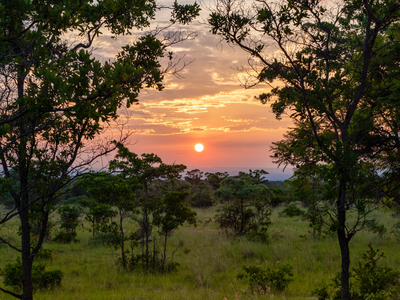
x=133, y=242
x=143, y=229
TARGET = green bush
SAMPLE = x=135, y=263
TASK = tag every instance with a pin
x=377, y=228
x=104, y=239
x=368, y=280
x=292, y=211
x=44, y=254
x=279, y=199
x=65, y=237
x=41, y=279
x=271, y=279
x=201, y=195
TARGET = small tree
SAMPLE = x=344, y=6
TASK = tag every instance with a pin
x=245, y=209
x=215, y=179
x=100, y=217
x=70, y=220
x=119, y=191
x=171, y=213
x=201, y=195
x=194, y=177
x=146, y=171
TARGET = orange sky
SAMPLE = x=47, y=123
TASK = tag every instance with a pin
x=207, y=106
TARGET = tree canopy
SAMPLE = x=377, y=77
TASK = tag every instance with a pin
x=56, y=96
x=331, y=67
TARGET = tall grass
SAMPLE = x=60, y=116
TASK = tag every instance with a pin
x=209, y=262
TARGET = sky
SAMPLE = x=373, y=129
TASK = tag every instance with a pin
x=206, y=104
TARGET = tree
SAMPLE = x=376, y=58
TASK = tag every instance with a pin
x=194, y=176
x=56, y=97
x=245, y=209
x=171, y=213
x=116, y=190
x=201, y=195
x=145, y=171
x=335, y=66
x=214, y=179
x=70, y=220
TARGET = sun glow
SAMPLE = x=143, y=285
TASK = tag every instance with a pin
x=199, y=147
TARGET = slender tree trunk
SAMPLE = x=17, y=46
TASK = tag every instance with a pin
x=165, y=252
x=27, y=258
x=146, y=226
x=23, y=201
x=154, y=252
x=343, y=242
x=123, y=257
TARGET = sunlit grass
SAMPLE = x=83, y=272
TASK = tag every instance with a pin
x=209, y=262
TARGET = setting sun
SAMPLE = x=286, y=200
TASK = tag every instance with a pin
x=199, y=147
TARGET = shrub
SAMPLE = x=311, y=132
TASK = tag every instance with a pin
x=41, y=279
x=271, y=279
x=65, y=237
x=201, y=195
x=104, y=239
x=44, y=254
x=369, y=281
x=245, y=208
x=292, y=211
x=377, y=228
x=279, y=199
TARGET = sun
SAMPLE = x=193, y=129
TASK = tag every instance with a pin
x=199, y=147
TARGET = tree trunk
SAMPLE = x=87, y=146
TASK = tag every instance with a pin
x=123, y=257
x=27, y=258
x=146, y=226
x=165, y=252
x=343, y=242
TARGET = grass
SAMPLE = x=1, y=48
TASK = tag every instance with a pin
x=209, y=262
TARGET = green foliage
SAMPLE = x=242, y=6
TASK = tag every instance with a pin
x=396, y=229
x=194, y=177
x=146, y=172
x=100, y=216
x=69, y=217
x=272, y=279
x=215, y=179
x=326, y=79
x=41, y=279
x=66, y=237
x=62, y=96
x=280, y=196
x=377, y=228
x=105, y=239
x=315, y=217
x=44, y=254
x=245, y=208
x=201, y=195
x=171, y=213
x=292, y=211
x=369, y=281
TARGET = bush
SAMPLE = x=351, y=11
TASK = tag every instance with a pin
x=377, y=228
x=41, y=279
x=201, y=195
x=104, y=239
x=369, y=281
x=279, y=199
x=44, y=254
x=271, y=279
x=65, y=237
x=292, y=211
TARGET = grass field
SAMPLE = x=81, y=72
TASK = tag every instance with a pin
x=209, y=262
